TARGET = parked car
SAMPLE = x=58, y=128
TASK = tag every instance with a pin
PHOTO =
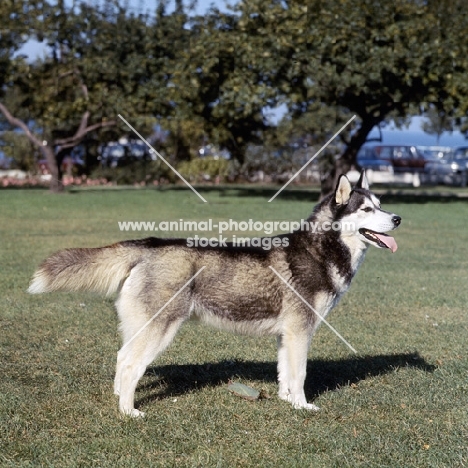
x=368, y=159
x=434, y=153
x=451, y=169
x=402, y=158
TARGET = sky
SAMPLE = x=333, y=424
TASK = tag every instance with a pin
x=391, y=135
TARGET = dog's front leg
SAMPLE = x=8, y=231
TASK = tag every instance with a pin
x=292, y=367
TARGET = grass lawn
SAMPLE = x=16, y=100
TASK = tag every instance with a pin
x=402, y=401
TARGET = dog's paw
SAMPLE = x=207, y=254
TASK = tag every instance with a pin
x=300, y=403
x=307, y=406
x=133, y=413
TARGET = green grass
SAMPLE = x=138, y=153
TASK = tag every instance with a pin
x=400, y=402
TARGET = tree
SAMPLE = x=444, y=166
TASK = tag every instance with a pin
x=16, y=19
x=372, y=59
x=217, y=83
x=45, y=92
x=375, y=60
x=452, y=16
x=18, y=147
x=96, y=70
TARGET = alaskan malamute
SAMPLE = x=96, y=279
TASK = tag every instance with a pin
x=161, y=283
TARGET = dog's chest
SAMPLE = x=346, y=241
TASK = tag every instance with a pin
x=357, y=250
x=342, y=275
x=339, y=281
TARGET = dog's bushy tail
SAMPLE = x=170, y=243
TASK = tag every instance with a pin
x=102, y=270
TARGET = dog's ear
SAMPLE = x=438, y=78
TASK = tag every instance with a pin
x=363, y=183
x=343, y=191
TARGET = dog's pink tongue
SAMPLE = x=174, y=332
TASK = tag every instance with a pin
x=389, y=241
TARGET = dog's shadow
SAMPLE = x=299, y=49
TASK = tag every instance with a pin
x=322, y=375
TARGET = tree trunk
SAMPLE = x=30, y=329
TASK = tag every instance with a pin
x=236, y=151
x=348, y=158
x=56, y=183
x=54, y=163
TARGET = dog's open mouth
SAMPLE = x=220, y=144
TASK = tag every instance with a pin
x=382, y=240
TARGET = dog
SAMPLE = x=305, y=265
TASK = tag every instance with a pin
x=284, y=292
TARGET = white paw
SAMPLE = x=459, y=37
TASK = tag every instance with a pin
x=299, y=402
x=133, y=413
x=307, y=406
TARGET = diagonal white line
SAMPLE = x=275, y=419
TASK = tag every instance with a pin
x=312, y=158
x=163, y=307
x=313, y=310
x=155, y=152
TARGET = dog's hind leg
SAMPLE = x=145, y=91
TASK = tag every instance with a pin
x=145, y=336
x=283, y=369
x=134, y=357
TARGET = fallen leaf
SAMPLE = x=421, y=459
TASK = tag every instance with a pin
x=243, y=391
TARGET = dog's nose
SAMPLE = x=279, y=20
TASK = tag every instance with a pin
x=396, y=220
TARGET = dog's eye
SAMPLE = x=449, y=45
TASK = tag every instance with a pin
x=367, y=209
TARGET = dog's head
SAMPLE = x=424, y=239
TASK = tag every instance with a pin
x=361, y=216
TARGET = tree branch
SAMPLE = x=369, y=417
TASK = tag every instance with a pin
x=20, y=124
x=81, y=133
x=83, y=128
x=78, y=134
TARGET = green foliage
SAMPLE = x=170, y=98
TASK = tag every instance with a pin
x=94, y=66
x=17, y=22
x=139, y=172
x=276, y=163
x=204, y=169
x=19, y=148
x=214, y=84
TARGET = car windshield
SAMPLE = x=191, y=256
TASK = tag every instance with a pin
x=433, y=154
